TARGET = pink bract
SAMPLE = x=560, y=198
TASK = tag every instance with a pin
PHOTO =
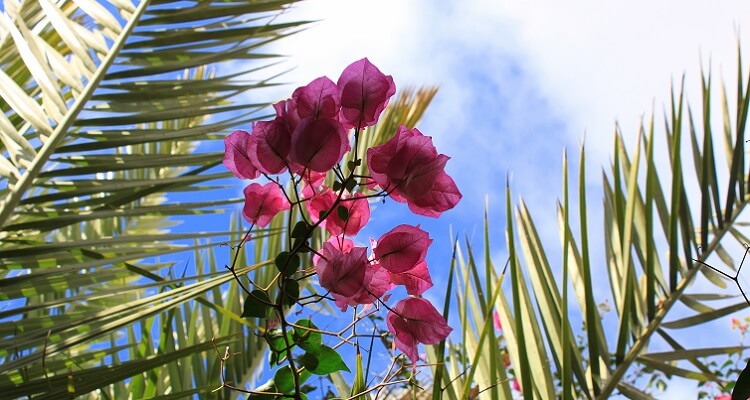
x=414, y=320
x=358, y=215
x=443, y=196
x=339, y=243
x=236, y=157
x=319, y=204
x=416, y=280
x=342, y=273
x=318, y=144
x=376, y=283
x=410, y=169
x=311, y=181
x=269, y=146
x=402, y=248
x=319, y=99
x=365, y=92
x=358, y=210
x=262, y=203
x=287, y=111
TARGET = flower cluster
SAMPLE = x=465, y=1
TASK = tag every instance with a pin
x=308, y=138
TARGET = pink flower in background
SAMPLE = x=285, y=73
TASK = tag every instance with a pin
x=496, y=320
x=365, y=92
x=516, y=385
x=318, y=144
x=723, y=397
x=236, y=157
x=342, y=273
x=319, y=99
x=269, y=146
x=414, y=320
x=410, y=169
x=262, y=203
x=402, y=248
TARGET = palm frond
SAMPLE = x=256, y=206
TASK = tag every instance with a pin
x=642, y=218
x=112, y=119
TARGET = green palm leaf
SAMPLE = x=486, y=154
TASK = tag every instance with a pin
x=651, y=238
x=112, y=117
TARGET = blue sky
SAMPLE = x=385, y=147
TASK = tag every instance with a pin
x=521, y=80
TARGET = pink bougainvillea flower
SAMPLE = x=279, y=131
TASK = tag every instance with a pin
x=376, y=283
x=287, y=111
x=319, y=99
x=496, y=320
x=402, y=248
x=321, y=203
x=312, y=181
x=365, y=92
x=236, y=157
x=318, y=144
x=262, y=203
x=269, y=146
x=342, y=273
x=339, y=243
x=410, y=169
x=407, y=165
x=378, y=280
x=416, y=280
x=442, y=197
x=414, y=321
x=358, y=212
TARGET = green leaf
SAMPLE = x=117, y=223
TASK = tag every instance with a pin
x=342, y=212
x=257, y=305
x=278, y=345
x=352, y=164
x=309, y=361
x=359, y=385
x=290, y=294
x=287, y=263
x=336, y=186
x=301, y=230
x=307, y=339
x=326, y=362
x=302, y=245
x=350, y=185
x=284, y=381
